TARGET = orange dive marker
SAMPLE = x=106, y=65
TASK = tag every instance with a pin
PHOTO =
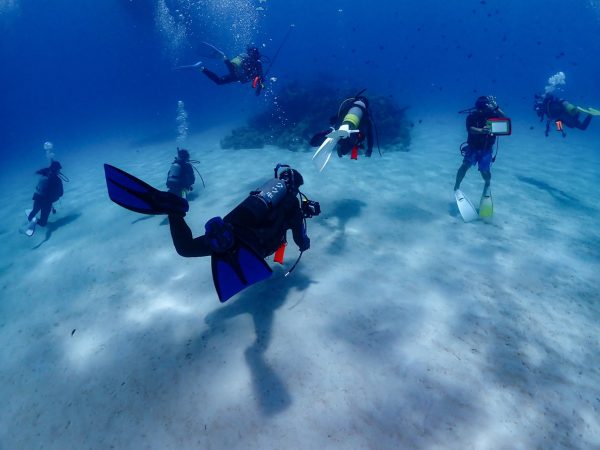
x=278, y=258
x=559, y=125
x=354, y=154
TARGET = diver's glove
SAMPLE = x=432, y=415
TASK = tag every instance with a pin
x=305, y=244
x=169, y=203
x=220, y=235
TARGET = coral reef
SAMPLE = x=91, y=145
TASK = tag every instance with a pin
x=300, y=110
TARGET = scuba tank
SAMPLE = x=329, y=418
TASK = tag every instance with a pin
x=174, y=175
x=355, y=114
x=271, y=193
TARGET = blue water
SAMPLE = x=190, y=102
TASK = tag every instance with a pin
x=69, y=73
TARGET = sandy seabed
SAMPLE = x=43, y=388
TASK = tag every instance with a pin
x=402, y=326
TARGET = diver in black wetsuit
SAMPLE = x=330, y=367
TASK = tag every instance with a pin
x=237, y=244
x=260, y=221
x=48, y=190
x=244, y=67
x=559, y=111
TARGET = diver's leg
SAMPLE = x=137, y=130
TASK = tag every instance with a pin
x=213, y=76
x=45, y=212
x=460, y=174
x=583, y=125
x=37, y=206
x=184, y=243
x=487, y=178
x=225, y=79
x=485, y=167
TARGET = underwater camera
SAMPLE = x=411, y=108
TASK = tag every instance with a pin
x=310, y=208
x=500, y=126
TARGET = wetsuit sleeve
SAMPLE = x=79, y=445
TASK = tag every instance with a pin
x=298, y=230
x=183, y=240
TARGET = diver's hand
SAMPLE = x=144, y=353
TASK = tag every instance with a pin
x=305, y=244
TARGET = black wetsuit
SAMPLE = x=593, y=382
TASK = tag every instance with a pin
x=243, y=69
x=478, y=119
x=264, y=233
x=48, y=190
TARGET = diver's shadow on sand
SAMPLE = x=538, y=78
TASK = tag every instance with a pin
x=343, y=210
x=261, y=302
x=560, y=196
x=453, y=210
x=51, y=227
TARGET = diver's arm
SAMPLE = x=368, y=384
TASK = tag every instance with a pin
x=299, y=231
x=483, y=130
x=183, y=241
x=500, y=113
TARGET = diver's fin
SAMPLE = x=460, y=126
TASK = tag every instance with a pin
x=318, y=139
x=323, y=153
x=590, y=111
x=237, y=269
x=206, y=50
x=197, y=65
x=486, y=206
x=465, y=207
x=134, y=194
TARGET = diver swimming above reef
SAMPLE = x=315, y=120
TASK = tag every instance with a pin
x=238, y=242
x=562, y=113
x=243, y=68
x=350, y=128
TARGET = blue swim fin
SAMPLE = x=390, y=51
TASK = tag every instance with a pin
x=135, y=195
x=236, y=269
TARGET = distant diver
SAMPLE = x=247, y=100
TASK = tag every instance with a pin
x=181, y=178
x=244, y=68
x=48, y=190
x=479, y=148
x=562, y=113
x=350, y=128
x=237, y=243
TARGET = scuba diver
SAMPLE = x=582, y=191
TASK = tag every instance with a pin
x=350, y=128
x=238, y=242
x=244, y=67
x=478, y=149
x=180, y=178
x=562, y=113
x=48, y=190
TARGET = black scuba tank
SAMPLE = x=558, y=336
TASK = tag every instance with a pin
x=271, y=193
